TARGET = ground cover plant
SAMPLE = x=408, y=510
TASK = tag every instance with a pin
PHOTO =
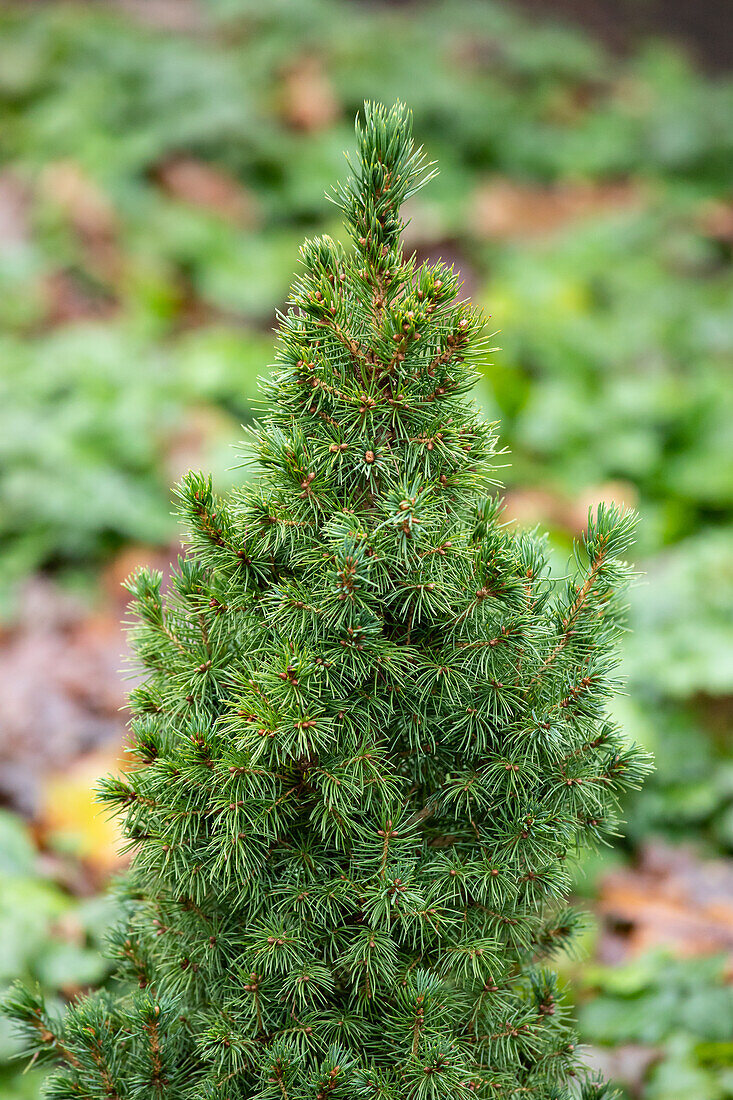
x=373, y=730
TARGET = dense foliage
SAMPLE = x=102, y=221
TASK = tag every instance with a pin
x=372, y=733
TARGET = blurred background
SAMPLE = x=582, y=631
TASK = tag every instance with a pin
x=160, y=162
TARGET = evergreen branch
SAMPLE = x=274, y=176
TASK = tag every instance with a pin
x=372, y=728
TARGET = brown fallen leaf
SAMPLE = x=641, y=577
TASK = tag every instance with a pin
x=672, y=899
x=621, y=493
x=72, y=190
x=186, y=16
x=14, y=209
x=63, y=678
x=60, y=688
x=552, y=506
x=626, y=1064
x=202, y=185
x=204, y=426
x=308, y=100
x=128, y=561
x=716, y=221
x=66, y=299
x=531, y=506
x=64, y=186
x=503, y=209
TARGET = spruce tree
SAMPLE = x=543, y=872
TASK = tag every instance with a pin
x=372, y=732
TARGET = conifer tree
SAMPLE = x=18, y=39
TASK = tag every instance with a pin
x=372, y=733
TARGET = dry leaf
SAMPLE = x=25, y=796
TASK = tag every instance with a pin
x=553, y=507
x=66, y=300
x=14, y=204
x=199, y=184
x=672, y=899
x=185, y=16
x=716, y=221
x=61, y=678
x=503, y=209
x=90, y=212
x=308, y=101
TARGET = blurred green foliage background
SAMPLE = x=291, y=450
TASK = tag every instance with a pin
x=161, y=163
